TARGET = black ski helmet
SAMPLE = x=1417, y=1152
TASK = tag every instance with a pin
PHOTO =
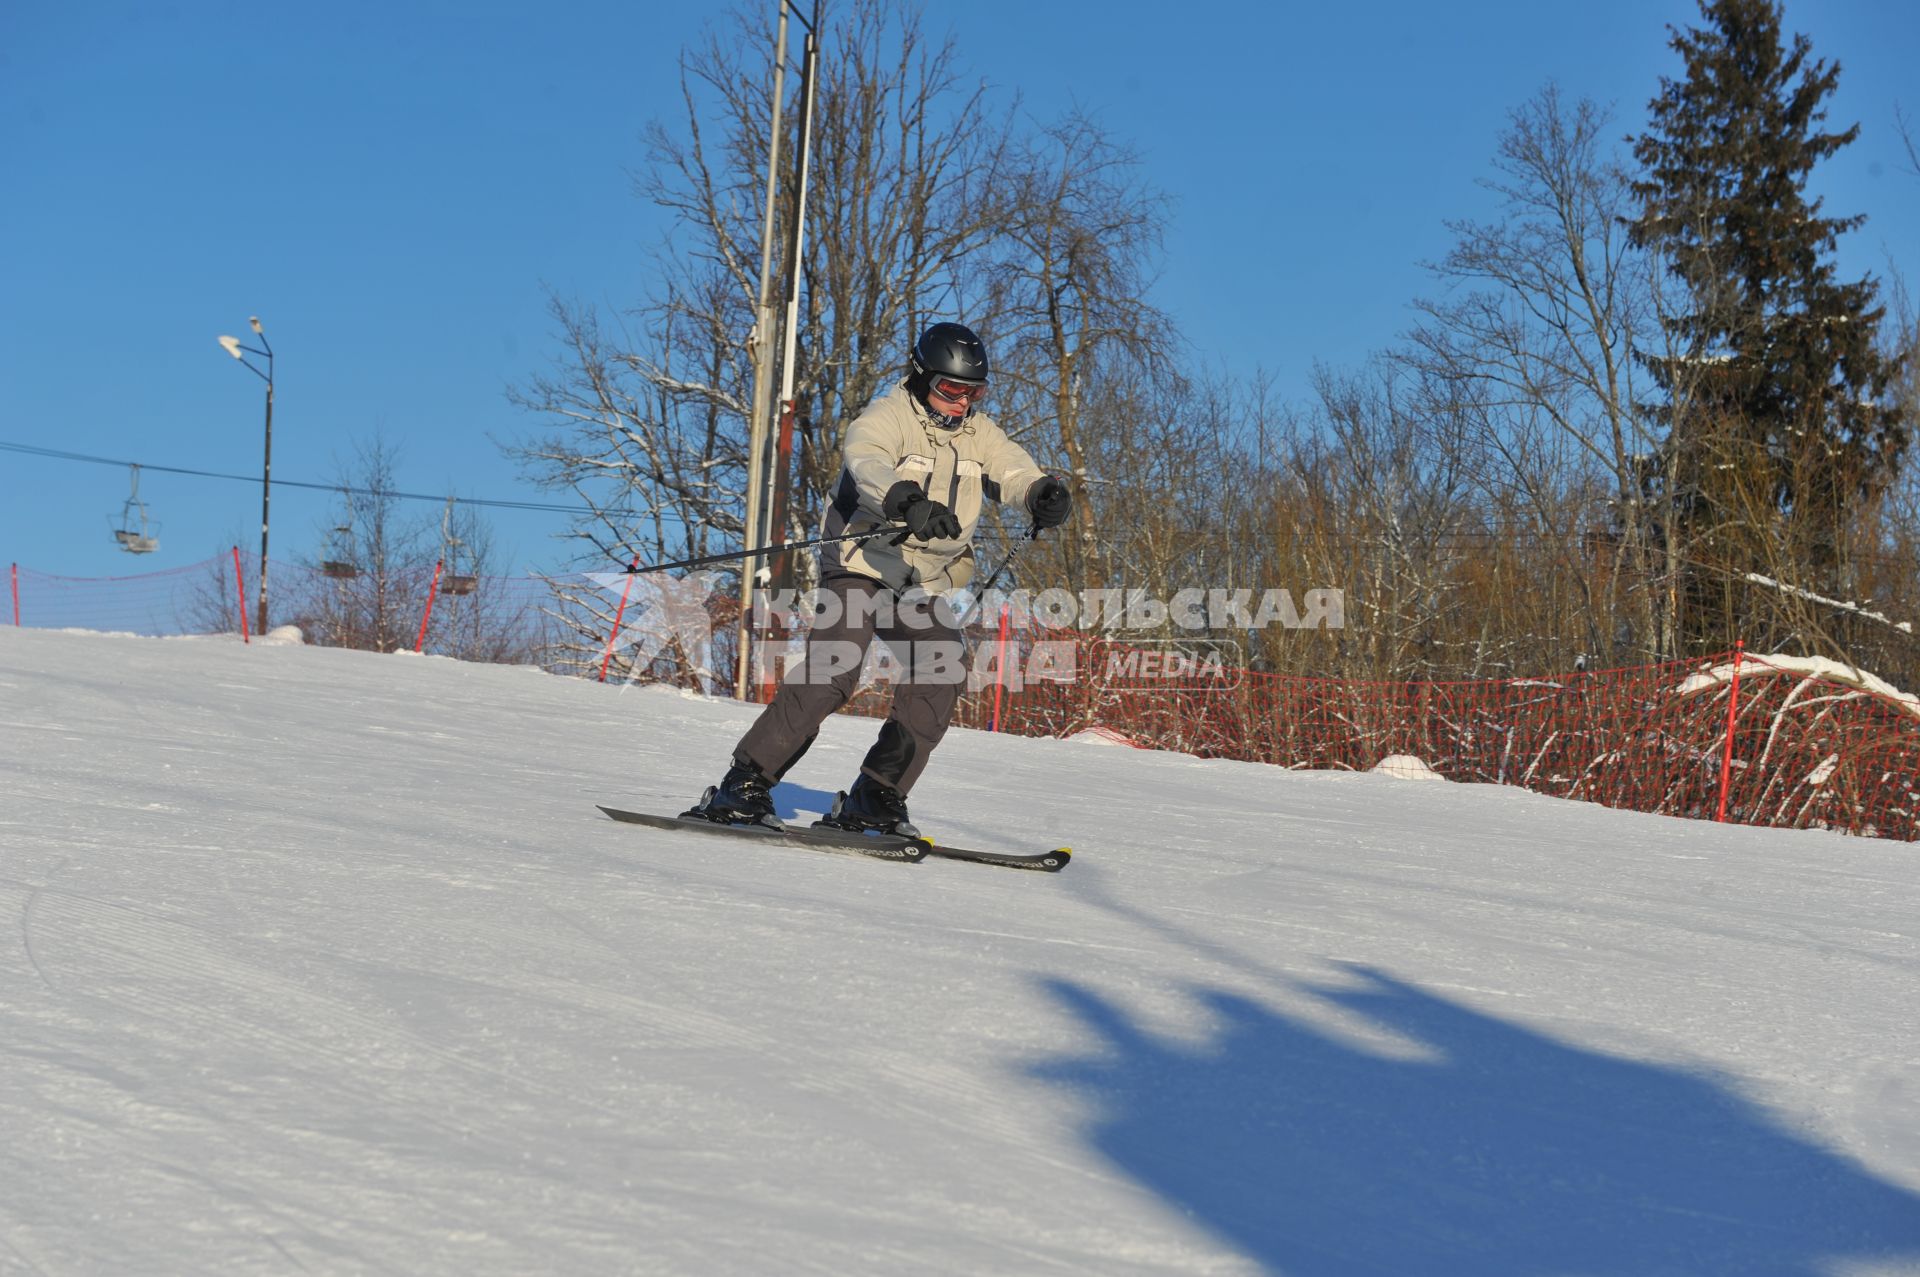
x=947, y=350
x=950, y=350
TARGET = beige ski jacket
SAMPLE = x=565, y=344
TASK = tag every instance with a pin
x=896, y=439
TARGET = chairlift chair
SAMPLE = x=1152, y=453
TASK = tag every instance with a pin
x=342, y=568
x=453, y=583
x=137, y=534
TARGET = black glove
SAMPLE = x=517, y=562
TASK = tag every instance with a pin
x=927, y=519
x=1050, y=503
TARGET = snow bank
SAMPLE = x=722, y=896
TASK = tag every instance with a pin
x=1405, y=767
x=1102, y=736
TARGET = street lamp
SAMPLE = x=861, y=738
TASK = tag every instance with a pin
x=233, y=347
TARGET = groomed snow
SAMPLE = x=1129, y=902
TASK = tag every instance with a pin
x=324, y=962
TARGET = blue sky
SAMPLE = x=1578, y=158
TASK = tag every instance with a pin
x=392, y=187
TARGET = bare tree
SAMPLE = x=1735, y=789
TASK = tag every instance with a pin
x=1400, y=488
x=480, y=615
x=1537, y=339
x=932, y=198
x=908, y=186
x=1080, y=344
x=368, y=585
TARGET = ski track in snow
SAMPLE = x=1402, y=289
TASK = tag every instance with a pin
x=326, y=963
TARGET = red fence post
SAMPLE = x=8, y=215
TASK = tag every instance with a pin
x=1733, y=708
x=420, y=643
x=16, y=596
x=1000, y=670
x=625, y=590
x=240, y=595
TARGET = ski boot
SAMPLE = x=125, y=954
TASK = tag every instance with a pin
x=744, y=796
x=871, y=807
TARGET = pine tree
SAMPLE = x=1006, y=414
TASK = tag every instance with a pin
x=1778, y=417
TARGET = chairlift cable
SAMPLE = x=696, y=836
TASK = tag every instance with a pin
x=486, y=502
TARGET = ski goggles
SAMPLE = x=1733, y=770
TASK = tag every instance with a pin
x=959, y=391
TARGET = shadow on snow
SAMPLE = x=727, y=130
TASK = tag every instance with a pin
x=793, y=803
x=1501, y=1152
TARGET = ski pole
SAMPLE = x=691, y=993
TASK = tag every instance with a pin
x=1033, y=534
x=980, y=596
x=757, y=551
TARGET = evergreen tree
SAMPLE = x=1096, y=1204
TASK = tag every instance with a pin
x=1779, y=424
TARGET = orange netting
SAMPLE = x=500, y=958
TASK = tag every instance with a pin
x=1808, y=751
x=1809, y=746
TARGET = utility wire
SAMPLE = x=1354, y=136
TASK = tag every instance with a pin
x=1513, y=535
x=56, y=454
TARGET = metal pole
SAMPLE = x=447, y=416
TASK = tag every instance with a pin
x=885, y=529
x=266, y=496
x=240, y=352
x=780, y=476
x=759, y=427
x=792, y=333
x=993, y=579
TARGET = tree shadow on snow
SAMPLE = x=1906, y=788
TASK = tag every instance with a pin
x=1496, y=1152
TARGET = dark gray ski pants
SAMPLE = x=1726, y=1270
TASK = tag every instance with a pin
x=924, y=644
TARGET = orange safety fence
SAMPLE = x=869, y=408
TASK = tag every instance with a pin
x=149, y=603
x=1809, y=747
x=332, y=605
x=1775, y=741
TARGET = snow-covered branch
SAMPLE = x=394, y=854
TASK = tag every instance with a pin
x=1809, y=667
x=1905, y=627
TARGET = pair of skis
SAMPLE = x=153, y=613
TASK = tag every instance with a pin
x=874, y=846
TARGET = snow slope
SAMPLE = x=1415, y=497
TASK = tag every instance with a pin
x=321, y=961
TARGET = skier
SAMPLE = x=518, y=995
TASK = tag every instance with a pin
x=921, y=455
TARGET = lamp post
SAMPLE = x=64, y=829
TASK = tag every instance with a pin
x=233, y=347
